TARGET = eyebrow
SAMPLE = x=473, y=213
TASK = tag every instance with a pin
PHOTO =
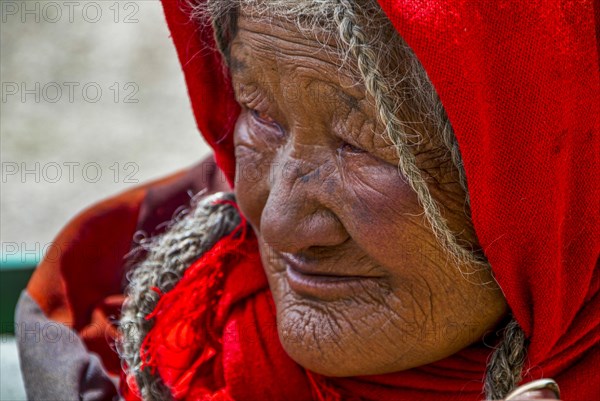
x=350, y=100
x=340, y=94
x=237, y=65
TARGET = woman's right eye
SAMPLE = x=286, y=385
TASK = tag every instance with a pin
x=263, y=118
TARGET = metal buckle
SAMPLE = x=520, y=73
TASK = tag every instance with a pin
x=536, y=385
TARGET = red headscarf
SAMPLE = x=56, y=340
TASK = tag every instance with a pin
x=520, y=82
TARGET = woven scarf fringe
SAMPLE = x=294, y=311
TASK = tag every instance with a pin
x=185, y=316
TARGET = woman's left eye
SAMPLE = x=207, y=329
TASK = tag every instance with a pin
x=349, y=148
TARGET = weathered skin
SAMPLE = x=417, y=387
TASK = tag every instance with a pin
x=319, y=183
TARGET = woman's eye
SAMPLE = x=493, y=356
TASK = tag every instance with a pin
x=349, y=148
x=262, y=117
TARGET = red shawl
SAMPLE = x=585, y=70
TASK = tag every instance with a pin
x=520, y=83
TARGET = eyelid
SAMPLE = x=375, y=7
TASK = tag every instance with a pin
x=252, y=98
x=351, y=134
x=248, y=98
x=351, y=148
x=271, y=123
x=256, y=114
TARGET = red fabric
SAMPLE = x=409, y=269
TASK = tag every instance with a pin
x=209, y=88
x=80, y=280
x=520, y=83
x=202, y=326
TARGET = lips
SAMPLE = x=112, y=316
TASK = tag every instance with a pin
x=321, y=279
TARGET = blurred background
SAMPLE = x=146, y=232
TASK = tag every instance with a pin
x=93, y=103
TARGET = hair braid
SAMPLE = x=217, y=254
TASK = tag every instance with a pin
x=353, y=36
x=506, y=363
x=449, y=140
x=191, y=233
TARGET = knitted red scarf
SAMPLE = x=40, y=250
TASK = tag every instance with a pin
x=520, y=83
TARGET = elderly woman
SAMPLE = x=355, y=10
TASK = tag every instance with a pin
x=413, y=216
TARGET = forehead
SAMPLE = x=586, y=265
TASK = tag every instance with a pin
x=267, y=44
x=301, y=28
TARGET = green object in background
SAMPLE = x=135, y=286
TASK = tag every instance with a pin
x=15, y=271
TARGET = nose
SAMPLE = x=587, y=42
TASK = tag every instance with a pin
x=295, y=217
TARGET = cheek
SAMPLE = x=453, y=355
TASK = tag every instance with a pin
x=382, y=214
x=253, y=156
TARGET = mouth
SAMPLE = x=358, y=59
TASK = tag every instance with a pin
x=315, y=281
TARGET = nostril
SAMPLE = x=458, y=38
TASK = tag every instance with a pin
x=292, y=232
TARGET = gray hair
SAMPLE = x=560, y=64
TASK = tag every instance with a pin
x=405, y=100
x=191, y=233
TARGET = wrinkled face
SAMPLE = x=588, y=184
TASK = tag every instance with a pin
x=360, y=284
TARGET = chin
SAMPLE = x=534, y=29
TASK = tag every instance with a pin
x=341, y=338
